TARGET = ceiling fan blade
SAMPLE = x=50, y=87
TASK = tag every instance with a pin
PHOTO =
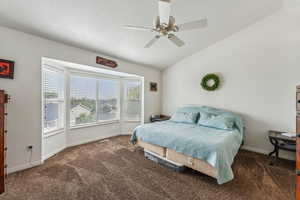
x=138, y=28
x=178, y=42
x=164, y=7
x=202, y=23
x=149, y=44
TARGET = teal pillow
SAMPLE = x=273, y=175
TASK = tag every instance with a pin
x=222, y=122
x=185, y=117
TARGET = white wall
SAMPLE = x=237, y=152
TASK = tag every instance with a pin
x=53, y=144
x=260, y=68
x=24, y=119
x=88, y=134
x=291, y=4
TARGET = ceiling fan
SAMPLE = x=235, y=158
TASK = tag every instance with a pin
x=165, y=25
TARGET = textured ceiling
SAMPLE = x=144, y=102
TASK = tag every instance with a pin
x=96, y=25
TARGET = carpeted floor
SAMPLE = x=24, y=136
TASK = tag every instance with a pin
x=114, y=169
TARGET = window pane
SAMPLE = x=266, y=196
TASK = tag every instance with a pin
x=108, y=100
x=53, y=117
x=132, y=103
x=53, y=84
x=83, y=100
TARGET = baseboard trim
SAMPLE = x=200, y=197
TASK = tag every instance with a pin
x=91, y=141
x=256, y=150
x=127, y=133
x=24, y=166
x=266, y=152
x=40, y=162
x=53, y=153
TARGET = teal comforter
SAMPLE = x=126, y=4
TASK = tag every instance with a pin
x=216, y=147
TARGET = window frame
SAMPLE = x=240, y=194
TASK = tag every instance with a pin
x=69, y=109
x=65, y=101
x=98, y=78
x=61, y=101
x=124, y=80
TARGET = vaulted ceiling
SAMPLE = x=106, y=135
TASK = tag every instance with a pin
x=96, y=25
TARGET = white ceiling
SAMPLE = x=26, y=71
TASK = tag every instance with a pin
x=96, y=25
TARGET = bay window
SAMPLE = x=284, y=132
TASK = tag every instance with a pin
x=82, y=104
x=92, y=99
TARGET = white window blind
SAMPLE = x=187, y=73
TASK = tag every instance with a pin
x=132, y=104
x=53, y=89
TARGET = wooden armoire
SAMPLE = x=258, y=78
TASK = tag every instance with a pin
x=3, y=131
x=298, y=143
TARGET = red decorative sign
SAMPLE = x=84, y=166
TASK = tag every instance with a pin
x=7, y=69
x=106, y=62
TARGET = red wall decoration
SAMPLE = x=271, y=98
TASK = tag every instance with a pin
x=106, y=62
x=7, y=69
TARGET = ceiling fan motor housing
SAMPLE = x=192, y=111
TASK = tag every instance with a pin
x=165, y=29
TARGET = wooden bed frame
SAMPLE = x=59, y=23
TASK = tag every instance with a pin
x=171, y=155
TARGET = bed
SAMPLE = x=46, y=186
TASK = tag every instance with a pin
x=196, y=137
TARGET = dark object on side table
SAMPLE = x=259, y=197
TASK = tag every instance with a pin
x=282, y=142
x=159, y=118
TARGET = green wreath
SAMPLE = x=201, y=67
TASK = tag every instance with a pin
x=210, y=77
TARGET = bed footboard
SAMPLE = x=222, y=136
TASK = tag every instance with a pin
x=171, y=155
x=161, y=151
x=194, y=163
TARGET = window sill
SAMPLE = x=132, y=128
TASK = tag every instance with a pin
x=94, y=124
x=52, y=133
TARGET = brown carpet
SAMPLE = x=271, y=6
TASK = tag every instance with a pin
x=114, y=169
